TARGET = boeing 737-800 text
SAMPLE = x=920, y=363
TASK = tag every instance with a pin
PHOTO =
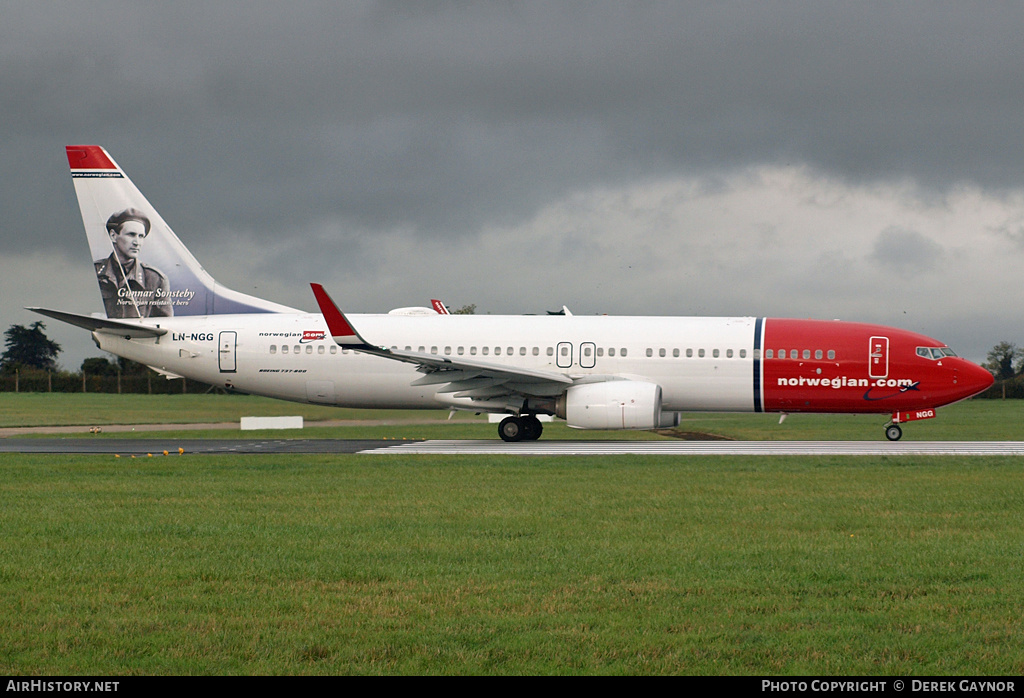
x=162, y=309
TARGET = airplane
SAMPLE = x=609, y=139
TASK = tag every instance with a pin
x=164, y=310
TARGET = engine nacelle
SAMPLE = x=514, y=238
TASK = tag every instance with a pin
x=612, y=405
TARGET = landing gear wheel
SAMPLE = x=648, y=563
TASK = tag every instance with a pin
x=511, y=429
x=893, y=432
x=532, y=427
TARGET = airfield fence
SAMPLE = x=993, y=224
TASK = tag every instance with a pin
x=1011, y=389
x=61, y=382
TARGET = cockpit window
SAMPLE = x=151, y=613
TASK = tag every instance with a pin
x=935, y=353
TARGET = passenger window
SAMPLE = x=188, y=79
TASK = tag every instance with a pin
x=622, y=352
x=273, y=348
x=807, y=353
x=484, y=350
x=298, y=349
x=447, y=350
x=309, y=348
x=768, y=353
x=700, y=353
x=650, y=352
x=334, y=348
x=611, y=351
x=550, y=351
x=472, y=351
x=536, y=351
x=689, y=353
x=600, y=351
x=461, y=351
x=817, y=353
x=320, y=349
x=728, y=353
x=714, y=353
x=831, y=353
x=675, y=353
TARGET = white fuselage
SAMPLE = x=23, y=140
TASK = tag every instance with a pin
x=701, y=363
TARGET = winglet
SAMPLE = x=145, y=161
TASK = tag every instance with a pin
x=338, y=325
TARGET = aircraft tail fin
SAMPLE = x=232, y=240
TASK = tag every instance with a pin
x=143, y=269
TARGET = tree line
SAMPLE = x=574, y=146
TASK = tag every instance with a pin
x=29, y=364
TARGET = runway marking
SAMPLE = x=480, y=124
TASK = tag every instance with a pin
x=709, y=448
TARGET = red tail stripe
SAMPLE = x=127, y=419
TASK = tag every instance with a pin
x=88, y=157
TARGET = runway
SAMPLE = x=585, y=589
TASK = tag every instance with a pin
x=157, y=446
x=712, y=448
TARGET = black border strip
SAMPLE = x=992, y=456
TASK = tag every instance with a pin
x=758, y=324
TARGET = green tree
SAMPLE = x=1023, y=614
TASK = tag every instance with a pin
x=469, y=309
x=98, y=366
x=29, y=347
x=1004, y=360
x=131, y=368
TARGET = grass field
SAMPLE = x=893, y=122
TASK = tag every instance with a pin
x=362, y=564
x=490, y=565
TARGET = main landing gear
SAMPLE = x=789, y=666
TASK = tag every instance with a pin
x=524, y=428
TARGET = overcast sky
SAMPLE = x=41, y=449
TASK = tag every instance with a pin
x=862, y=161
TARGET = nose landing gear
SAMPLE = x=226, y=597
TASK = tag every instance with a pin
x=893, y=432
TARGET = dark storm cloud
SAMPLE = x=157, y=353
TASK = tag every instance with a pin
x=443, y=116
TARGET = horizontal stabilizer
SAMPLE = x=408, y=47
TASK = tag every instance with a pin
x=93, y=324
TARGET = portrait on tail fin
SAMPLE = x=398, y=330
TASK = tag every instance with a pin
x=143, y=269
x=129, y=287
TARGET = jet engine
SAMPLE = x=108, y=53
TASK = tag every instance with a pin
x=612, y=405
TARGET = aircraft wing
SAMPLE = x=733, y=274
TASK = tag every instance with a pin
x=91, y=323
x=465, y=377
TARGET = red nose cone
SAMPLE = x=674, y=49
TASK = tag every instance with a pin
x=974, y=379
